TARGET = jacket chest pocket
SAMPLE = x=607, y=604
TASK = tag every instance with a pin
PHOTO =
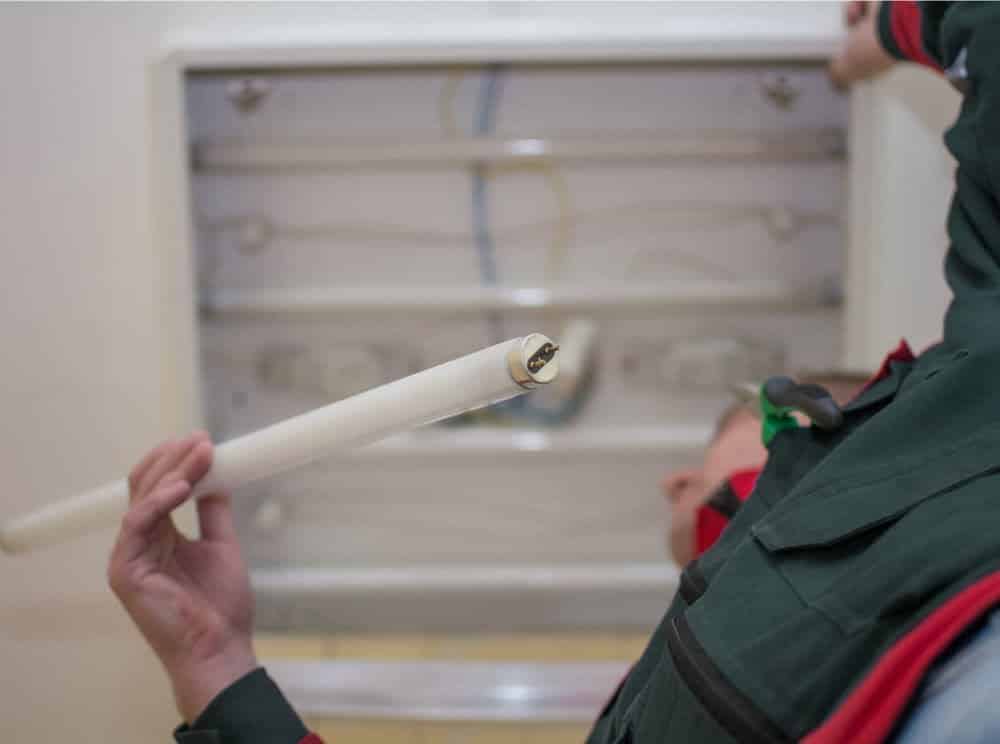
x=879, y=543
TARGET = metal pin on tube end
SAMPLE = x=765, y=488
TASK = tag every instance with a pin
x=535, y=362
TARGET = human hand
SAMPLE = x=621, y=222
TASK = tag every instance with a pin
x=861, y=56
x=191, y=599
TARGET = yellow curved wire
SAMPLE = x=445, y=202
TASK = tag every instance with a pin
x=555, y=263
x=563, y=235
x=446, y=103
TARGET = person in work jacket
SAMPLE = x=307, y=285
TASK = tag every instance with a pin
x=864, y=556
x=703, y=499
x=861, y=557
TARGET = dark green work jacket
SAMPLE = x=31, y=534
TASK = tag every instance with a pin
x=851, y=538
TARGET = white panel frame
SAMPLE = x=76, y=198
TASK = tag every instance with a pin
x=696, y=40
x=694, y=35
x=900, y=184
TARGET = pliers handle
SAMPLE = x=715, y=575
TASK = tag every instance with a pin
x=781, y=396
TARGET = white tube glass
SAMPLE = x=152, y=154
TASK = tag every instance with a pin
x=488, y=376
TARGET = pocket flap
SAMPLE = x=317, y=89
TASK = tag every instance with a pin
x=866, y=499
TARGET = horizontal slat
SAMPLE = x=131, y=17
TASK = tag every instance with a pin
x=464, y=597
x=491, y=443
x=754, y=293
x=824, y=144
x=449, y=691
x=434, y=446
x=293, y=582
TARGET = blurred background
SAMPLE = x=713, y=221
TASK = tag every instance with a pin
x=223, y=215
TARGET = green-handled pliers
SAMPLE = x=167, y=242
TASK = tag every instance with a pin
x=780, y=396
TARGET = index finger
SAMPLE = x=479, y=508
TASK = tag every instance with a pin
x=144, y=518
x=139, y=471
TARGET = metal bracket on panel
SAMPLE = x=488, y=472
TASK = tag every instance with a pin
x=247, y=94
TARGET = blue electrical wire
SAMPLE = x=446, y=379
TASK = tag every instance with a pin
x=484, y=240
x=489, y=99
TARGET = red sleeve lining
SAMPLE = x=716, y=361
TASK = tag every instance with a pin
x=905, y=23
x=311, y=739
x=709, y=524
x=869, y=714
x=902, y=353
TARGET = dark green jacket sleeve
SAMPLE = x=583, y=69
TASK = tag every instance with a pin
x=252, y=710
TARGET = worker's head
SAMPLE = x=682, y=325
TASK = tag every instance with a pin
x=735, y=445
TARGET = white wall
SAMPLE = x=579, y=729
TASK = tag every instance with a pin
x=82, y=366
x=89, y=380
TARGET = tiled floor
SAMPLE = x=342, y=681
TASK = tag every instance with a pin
x=405, y=732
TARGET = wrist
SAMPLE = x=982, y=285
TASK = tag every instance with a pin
x=196, y=683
